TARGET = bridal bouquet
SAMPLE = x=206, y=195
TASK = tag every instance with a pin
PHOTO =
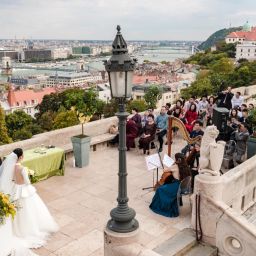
x=29, y=171
x=7, y=208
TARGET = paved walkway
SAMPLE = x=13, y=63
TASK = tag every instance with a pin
x=82, y=199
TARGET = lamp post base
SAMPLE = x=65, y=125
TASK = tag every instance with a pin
x=122, y=220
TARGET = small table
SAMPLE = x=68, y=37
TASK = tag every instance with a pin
x=46, y=163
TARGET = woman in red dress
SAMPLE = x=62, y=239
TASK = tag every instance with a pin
x=190, y=117
x=131, y=134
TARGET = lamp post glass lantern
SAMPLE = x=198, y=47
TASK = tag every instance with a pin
x=120, y=69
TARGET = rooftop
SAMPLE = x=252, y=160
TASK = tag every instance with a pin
x=81, y=201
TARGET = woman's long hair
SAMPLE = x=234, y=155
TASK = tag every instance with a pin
x=184, y=169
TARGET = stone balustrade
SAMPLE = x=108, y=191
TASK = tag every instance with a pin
x=223, y=200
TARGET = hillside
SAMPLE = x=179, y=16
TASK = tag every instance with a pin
x=216, y=37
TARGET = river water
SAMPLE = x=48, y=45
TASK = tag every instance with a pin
x=155, y=54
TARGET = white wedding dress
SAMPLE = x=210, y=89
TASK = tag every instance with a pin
x=32, y=223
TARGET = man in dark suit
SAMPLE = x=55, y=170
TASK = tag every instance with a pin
x=225, y=98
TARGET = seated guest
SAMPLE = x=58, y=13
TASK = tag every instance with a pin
x=136, y=118
x=244, y=118
x=210, y=107
x=197, y=131
x=250, y=108
x=237, y=100
x=131, y=134
x=234, y=113
x=164, y=201
x=149, y=131
x=193, y=162
x=144, y=118
x=241, y=137
x=190, y=117
x=161, y=125
x=168, y=109
x=202, y=108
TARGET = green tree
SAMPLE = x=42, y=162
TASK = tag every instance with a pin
x=110, y=108
x=65, y=119
x=152, y=95
x=4, y=138
x=22, y=134
x=46, y=120
x=139, y=104
x=73, y=98
x=198, y=88
x=17, y=121
x=223, y=66
x=51, y=102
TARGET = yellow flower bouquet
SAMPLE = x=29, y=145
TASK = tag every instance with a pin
x=7, y=208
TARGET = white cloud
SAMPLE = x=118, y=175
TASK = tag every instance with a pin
x=140, y=19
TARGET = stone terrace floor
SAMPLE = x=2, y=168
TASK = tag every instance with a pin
x=82, y=199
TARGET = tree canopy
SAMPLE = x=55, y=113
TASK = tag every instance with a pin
x=152, y=95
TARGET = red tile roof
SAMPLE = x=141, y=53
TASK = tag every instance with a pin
x=247, y=35
x=143, y=79
x=27, y=95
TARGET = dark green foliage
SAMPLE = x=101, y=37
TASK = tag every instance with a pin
x=4, y=138
x=110, y=108
x=152, y=95
x=217, y=37
x=16, y=121
x=22, y=134
x=65, y=119
x=139, y=104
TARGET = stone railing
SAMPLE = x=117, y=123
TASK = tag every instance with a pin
x=97, y=130
x=223, y=200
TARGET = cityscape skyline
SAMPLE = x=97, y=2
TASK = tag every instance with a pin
x=140, y=20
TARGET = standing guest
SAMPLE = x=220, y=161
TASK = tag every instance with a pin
x=243, y=106
x=241, y=137
x=188, y=104
x=234, y=113
x=161, y=124
x=179, y=106
x=190, y=117
x=131, y=134
x=137, y=119
x=211, y=106
x=144, y=118
x=168, y=109
x=148, y=134
x=225, y=98
x=202, y=108
x=250, y=108
x=193, y=162
x=164, y=201
x=237, y=100
x=245, y=119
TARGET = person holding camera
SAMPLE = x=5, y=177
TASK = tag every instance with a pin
x=241, y=136
x=225, y=98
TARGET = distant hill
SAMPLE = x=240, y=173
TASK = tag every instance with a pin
x=216, y=37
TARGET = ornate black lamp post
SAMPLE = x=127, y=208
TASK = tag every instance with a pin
x=120, y=69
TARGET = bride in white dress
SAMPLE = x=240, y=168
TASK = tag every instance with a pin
x=33, y=222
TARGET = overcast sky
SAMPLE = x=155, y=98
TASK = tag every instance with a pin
x=139, y=19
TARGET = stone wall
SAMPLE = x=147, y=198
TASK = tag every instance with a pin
x=61, y=138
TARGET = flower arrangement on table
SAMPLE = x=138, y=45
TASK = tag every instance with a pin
x=7, y=208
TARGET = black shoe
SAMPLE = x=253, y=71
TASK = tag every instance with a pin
x=160, y=150
x=153, y=145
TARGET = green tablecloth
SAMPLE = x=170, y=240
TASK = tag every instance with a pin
x=45, y=165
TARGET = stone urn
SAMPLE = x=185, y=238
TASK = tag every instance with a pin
x=81, y=149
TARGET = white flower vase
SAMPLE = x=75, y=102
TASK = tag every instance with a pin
x=6, y=237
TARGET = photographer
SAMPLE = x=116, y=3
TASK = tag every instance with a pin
x=225, y=98
x=241, y=136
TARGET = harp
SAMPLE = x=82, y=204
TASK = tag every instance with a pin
x=176, y=122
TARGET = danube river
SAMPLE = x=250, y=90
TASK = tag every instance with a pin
x=155, y=54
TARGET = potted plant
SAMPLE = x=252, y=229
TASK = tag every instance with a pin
x=251, y=142
x=81, y=143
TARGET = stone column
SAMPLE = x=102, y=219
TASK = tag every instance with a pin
x=209, y=188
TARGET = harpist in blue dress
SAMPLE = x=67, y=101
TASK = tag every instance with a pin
x=164, y=201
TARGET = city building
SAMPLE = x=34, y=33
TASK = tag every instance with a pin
x=104, y=92
x=9, y=53
x=81, y=50
x=138, y=93
x=31, y=55
x=61, y=53
x=66, y=80
x=248, y=33
x=25, y=100
x=246, y=50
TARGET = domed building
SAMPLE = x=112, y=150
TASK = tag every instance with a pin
x=247, y=27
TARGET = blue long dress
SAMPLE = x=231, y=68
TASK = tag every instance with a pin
x=164, y=201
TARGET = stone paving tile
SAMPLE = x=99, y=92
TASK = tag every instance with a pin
x=84, y=246
x=81, y=202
